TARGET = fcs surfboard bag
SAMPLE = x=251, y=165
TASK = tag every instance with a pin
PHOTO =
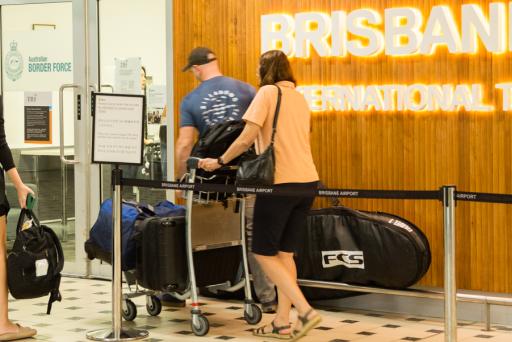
x=362, y=248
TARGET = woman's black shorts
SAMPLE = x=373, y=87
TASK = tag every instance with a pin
x=279, y=220
x=4, y=204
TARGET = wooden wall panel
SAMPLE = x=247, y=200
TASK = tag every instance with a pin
x=378, y=150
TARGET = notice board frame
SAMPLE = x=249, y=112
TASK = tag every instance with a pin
x=94, y=95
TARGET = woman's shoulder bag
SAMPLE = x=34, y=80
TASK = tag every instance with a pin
x=260, y=169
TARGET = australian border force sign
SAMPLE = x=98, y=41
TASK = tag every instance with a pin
x=397, y=32
x=37, y=60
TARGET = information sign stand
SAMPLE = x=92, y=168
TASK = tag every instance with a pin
x=117, y=139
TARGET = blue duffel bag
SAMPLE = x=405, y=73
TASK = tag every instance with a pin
x=99, y=244
x=168, y=209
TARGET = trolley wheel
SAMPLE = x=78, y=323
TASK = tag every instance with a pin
x=131, y=311
x=203, y=328
x=256, y=315
x=156, y=306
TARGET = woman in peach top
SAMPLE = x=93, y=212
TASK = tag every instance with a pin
x=279, y=219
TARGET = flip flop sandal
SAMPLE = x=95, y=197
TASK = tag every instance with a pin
x=275, y=333
x=23, y=332
x=307, y=325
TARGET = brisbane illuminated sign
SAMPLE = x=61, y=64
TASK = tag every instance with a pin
x=398, y=32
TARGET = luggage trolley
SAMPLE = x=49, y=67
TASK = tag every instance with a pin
x=252, y=312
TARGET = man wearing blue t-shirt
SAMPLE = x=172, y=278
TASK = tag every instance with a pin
x=217, y=99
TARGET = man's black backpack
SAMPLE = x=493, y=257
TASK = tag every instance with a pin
x=217, y=138
x=35, y=262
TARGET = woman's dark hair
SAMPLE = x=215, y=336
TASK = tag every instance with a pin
x=275, y=67
x=144, y=70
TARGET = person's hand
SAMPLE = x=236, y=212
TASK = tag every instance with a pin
x=209, y=164
x=23, y=192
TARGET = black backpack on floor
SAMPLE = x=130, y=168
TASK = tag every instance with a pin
x=35, y=262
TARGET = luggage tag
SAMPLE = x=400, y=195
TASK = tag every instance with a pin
x=27, y=224
x=41, y=267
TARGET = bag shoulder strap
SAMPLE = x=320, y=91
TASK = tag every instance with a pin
x=55, y=294
x=276, y=114
x=58, y=247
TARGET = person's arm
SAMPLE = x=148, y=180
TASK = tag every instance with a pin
x=187, y=136
x=21, y=188
x=8, y=164
x=239, y=146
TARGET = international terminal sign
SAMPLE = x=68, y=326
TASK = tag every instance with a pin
x=398, y=32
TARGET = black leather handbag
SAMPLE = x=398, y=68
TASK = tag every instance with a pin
x=260, y=169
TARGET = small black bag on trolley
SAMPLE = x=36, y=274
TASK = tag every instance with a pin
x=36, y=261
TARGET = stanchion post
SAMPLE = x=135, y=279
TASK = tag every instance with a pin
x=117, y=290
x=117, y=333
x=450, y=284
x=488, y=316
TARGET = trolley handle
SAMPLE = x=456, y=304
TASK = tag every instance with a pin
x=193, y=163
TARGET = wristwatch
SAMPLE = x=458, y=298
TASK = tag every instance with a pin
x=220, y=161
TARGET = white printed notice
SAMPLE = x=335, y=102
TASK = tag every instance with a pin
x=118, y=125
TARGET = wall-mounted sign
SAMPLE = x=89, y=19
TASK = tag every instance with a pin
x=156, y=105
x=156, y=96
x=398, y=32
x=118, y=128
x=38, y=117
x=415, y=97
x=127, y=76
x=37, y=60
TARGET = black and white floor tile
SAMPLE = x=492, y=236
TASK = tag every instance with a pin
x=86, y=307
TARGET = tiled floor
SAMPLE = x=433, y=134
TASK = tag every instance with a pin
x=86, y=306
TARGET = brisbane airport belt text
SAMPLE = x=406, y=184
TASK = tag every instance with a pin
x=338, y=193
x=178, y=186
x=466, y=196
x=248, y=190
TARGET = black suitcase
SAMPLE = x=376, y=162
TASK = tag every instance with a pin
x=161, y=254
x=161, y=257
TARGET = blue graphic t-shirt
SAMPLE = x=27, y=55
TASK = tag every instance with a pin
x=216, y=100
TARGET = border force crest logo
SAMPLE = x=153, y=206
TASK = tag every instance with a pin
x=13, y=63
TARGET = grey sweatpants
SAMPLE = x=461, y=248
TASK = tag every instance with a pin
x=265, y=289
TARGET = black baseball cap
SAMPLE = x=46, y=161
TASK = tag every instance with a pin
x=199, y=56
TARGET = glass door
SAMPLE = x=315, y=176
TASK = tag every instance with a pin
x=45, y=101
x=132, y=41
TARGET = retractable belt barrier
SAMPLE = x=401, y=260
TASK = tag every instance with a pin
x=276, y=191
x=483, y=197
x=447, y=195
x=321, y=192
